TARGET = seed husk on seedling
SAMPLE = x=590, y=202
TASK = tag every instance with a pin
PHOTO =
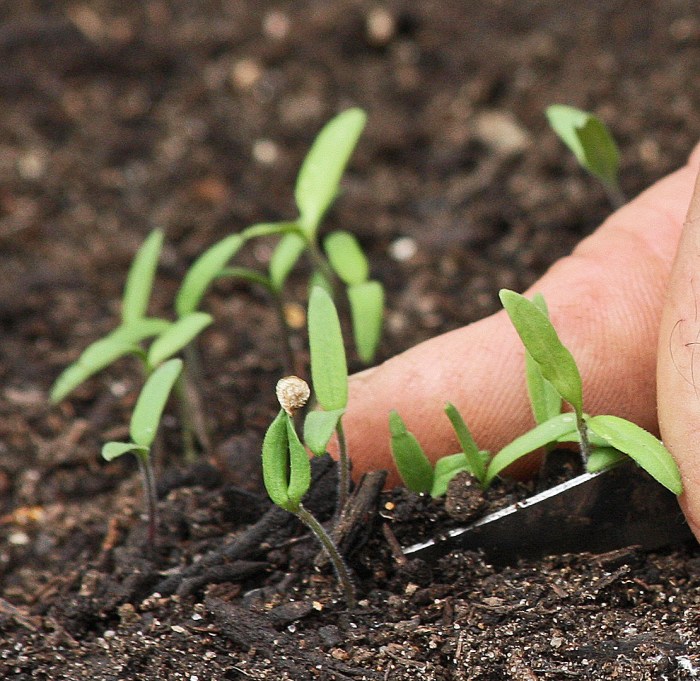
x=287, y=477
x=143, y=428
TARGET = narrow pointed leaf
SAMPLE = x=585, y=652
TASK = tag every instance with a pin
x=367, y=313
x=539, y=436
x=647, y=450
x=466, y=441
x=329, y=371
x=275, y=461
x=588, y=139
x=299, y=466
x=319, y=427
x=113, y=450
x=177, y=336
x=284, y=257
x=544, y=399
x=324, y=165
x=346, y=257
x=445, y=469
x=541, y=340
x=151, y=402
x=96, y=357
x=139, y=281
x=413, y=465
x=203, y=271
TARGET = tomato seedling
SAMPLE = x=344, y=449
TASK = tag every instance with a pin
x=317, y=185
x=594, y=147
x=143, y=428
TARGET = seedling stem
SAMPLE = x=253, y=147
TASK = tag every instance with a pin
x=339, y=566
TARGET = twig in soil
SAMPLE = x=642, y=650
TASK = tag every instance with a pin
x=396, y=550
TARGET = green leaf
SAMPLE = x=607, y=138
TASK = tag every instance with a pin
x=539, y=436
x=602, y=458
x=177, y=336
x=346, y=257
x=270, y=229
x=285, y=464
x=319, y=279
x=329, y=370
x=113, y=450
x=413, y=465
x=367, y=313
x=319, y=427
x=588, y=139
x=203, y=271
x=445, y=469
x=284, y=257
x=151, y=402
x=324, y=165
x=275, y=461
x=541, y=340
x=299, y=466
x=139, y=281
x=96, y=357
x=640, y=445
x=469, y=447
x=544, y=399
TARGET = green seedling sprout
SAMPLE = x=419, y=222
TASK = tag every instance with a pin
x=604, y=440
x=555, y=362
x=142, y=430
x=287, y=474
x=317, y=186
x=559, y=367
x=413, y=465
x=169, y=338
x=590, y=141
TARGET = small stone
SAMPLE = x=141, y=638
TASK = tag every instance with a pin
x=500, y=131
x=381, y=26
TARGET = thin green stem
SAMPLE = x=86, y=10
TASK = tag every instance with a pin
x=341, y=569
x=343, y=469
x=149, y=487
x=320, y=263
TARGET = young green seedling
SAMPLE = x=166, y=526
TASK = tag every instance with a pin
x=317, y=186
x=143, y=428
x=590, y=141
x=169, y=338
x=287, y=473
x=559, y=368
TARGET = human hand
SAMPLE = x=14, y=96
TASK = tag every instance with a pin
x=605, y=300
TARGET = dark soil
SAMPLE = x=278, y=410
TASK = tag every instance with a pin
x=120, y=117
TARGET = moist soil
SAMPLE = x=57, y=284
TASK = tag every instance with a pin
x=121, y=117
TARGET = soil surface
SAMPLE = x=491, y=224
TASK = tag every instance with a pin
x=121, y=117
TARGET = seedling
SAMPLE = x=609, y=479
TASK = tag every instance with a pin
x=317, y=186
x=590, y=141
x=603, y=439
x=169, y=338
x=287, y=474
x=143, y=429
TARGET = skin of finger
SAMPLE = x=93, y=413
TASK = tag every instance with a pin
x=679, y=364
x=605, y=300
